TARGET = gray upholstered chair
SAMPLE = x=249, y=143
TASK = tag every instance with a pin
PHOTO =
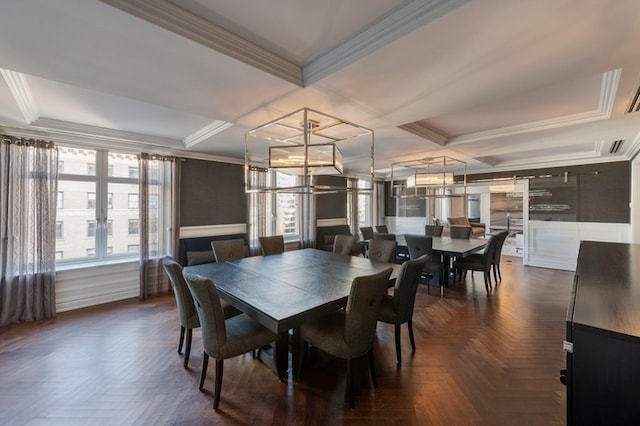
x=382, y=250
x=460, y=231
x=382, y=229
x=479, y=262
x=367, y=232
x=187, y=313
x=384, y=236
x=349, y=333
x=398, y=309
x=227, y=250
x=433, y=230
x=272, y=245
x=223, y=339
x=419, y=245
x=344, y=244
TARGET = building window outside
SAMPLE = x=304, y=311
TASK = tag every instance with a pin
x=59, y=229
x=60, y=167
x=134, y=201
x=134, y=228
x=133, y=248
x=59, y=255
x=134, y=173
x=60, y=200
x=95, y=205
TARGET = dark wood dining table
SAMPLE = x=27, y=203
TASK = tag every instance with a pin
x=282, y=291
x=449, y=248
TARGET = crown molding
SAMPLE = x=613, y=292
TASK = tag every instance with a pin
x=608, y=90
x=21, y=92
x=409, y=16
x=186, y=24
x=205, y=133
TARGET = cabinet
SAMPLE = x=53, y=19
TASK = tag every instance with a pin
x=603, y=336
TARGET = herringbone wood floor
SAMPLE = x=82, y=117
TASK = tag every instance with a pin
x=485, y=360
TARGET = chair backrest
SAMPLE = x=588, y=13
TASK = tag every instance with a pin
x=367, y=232
x=490, y=250
x=384, y=236
x=404, y=292
x=460, y=231
x=382, y=250
x=272, y=245
x=227, y=250
x=459, y=220
x=498, y=251
x=433, y=230
x=207, y=302
x=363, y=306
x=382, y=228
x=186, y=309
x=344, y=244
x=418, y=245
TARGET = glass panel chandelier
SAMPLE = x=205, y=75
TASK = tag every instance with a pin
x=308, y=144
x=433, y=177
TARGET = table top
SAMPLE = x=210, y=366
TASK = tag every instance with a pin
x=453, y=246
x=283, y=290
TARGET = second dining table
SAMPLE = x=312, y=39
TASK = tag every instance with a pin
x=282, y=291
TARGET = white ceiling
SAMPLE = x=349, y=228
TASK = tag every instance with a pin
x=501, y=84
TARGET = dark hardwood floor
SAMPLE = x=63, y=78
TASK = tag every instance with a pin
x=485, y=360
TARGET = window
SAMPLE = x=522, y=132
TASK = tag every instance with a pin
x=134, y=201
x=91, y=200
x=133, y=248
x=365, y=207
x=60, y=167
x=59, y=254
x=59, y=225
x=60, y=200
x=134, y=228
x=134, y=173
x=94, y=191
x=286, y=206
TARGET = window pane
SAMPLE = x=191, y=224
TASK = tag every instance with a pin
x=60, y=200
x=110, y=200
x=91, y=200
x=134, y=227
x=77, y=162
x=120, y=165
x=91, y=228
x=287, y=207
x=133, y=201
x=59, y=226
x=124, y=215
x=79, y=209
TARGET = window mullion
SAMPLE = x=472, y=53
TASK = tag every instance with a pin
x=101, y=204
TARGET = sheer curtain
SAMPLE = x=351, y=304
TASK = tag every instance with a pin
x=307, y=218
x=378, y=203
x=28, y=194
x=259, y=210
x=159, y=219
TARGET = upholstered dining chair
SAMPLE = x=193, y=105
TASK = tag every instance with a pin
x=223, y=339
x=420, y=245
x=367, y=232
x=382, y=250
x=227, y=250
x=272, y=245
x=344, y=244
x=382, y=228
x=460, y=231
x=187, y=313
x=479, y=262
x=384, y=236
x=497, y=275
x=433, y=230
x=349, y=333
x=398, y=308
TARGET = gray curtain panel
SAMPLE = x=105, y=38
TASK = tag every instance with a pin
x=28, y=194
x=159, y=220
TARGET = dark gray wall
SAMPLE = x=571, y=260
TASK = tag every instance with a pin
x=212, y=193
x=329, y=206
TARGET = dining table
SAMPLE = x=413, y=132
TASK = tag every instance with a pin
x=282, y=291
x=449, y=248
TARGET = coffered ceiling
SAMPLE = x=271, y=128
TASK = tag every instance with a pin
x=500, y=84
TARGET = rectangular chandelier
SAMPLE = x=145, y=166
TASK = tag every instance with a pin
x=433, y=177
x=309, y=144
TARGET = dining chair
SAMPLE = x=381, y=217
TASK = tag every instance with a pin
x=272, y=245
x=498, y=254
x=420, y=245
x=187, y=313
x=223, y=338
x=367, y=232
x=382, y=228
x=384, y=236
x=227, y=250
x=460, y=231
x=344, y=244
x=398, y=308
x=433, y=230
x=479, y=262
x=382, y=250
x=349, y=333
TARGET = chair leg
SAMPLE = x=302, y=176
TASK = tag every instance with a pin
x=495, y=272
x=187, y=349
x=413, y=343
x=372, y=369
x=203, y=373
x=398, y=349
x=218, y=388
x=487, y=281
x=350, y=380
x=499, y=273
x=181, y=339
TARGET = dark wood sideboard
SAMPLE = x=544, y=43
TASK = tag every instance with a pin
x=603, y=336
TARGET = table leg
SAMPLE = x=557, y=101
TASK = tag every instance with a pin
x=281, y=355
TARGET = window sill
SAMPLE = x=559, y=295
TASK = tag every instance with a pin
x=93, y=264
